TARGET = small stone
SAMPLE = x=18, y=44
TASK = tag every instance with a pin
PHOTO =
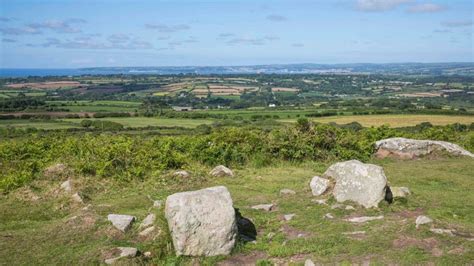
x=300, y=235
x=318, y=185
x=77, y=198
x=270, y=235
x=422, y=220
x=400, y=192
x=147, y=254
x=354, y=233
x=220, y=171
x=264, y=207
x=120, y=221
x=124, y=252
x=440, y=231
x=182, y=174
x=149, y=220
x=147, y=231
x=287, y=191
x=328, y=216
x=288, y=217
x=309, y=262
x=349, y=208
x=364, y=219
x=87, y=207
x=457, y=251
x=320, y=201
x=67, y=186
x=158, y=204
x=337, y=206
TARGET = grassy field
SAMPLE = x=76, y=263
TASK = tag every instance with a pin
x=52, y=229
x=393, y=120
x=98, y=106
x=40, y=124
x=134, y=122
x=150, y=121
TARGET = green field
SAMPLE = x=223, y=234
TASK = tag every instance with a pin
x=52, y=229
x=131, y=122
x=394, y=120
x=97, y=106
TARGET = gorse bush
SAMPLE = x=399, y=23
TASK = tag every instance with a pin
x=139, y=157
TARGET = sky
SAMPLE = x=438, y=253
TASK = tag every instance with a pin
x=105, y=33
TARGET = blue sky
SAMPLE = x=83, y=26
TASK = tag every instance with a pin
x=69, y=34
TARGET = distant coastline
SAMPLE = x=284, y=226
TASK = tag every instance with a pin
x=461, y=68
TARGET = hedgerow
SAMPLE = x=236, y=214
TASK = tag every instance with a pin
x=138, y=157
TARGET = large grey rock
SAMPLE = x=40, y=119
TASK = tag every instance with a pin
x=202, y=222
x=120, y=221
x=318, y=185
x=124, y=252
x=220, y=171
x=411, y=148
x=358, y=182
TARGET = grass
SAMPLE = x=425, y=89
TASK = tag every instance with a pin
x=131, y=122
x=98, y=106
x=39, y=124
x=38, y=230
x=394, y=120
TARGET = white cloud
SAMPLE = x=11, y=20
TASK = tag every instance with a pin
x=457, y=23
x=426, y=8
x=277, y=18
x=379, y=5
x=167, y=28
x=59, y=26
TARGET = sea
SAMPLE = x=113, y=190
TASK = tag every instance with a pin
x=44, y=72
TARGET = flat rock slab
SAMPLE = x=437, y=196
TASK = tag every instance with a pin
x=120, y=221
x=288, y=217
x=358, y=182
x=420, y=220
x=202, y=222
x=404, y=148
x=148, y=221
x=220, y=171
x=364, y=219
x=147, y=231
x=287, y=191
x=124, y=252
x=263, y=207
